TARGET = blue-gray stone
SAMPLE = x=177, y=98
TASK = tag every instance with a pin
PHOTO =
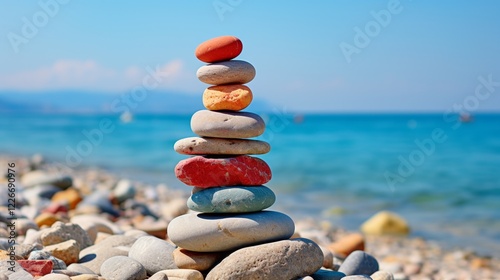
x=124, y=190
x=238, y=199
x=100, y=199
x=359, y=263
x=324, y=274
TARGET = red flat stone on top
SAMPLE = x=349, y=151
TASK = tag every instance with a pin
x=37, y=267
x=219, y=49
x=205, y=172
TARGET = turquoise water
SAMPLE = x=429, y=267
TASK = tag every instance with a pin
x=331, y=167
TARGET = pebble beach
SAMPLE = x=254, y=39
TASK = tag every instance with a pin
x=115, y=215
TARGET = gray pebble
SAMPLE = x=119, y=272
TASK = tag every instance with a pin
x=359, y=263
x=115, y=245
x=153, y=253
x=124, y=190
x=121, y=267
x=44, y=255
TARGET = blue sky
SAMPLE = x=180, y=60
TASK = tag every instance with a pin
x=429, y=56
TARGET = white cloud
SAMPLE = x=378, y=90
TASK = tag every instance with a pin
x=90, y=75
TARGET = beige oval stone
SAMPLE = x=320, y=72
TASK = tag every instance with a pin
x=385, y=223
x=227, y=97
x=287, y=259
x=227, y=124
x=220, y=146
x=382, y=275
x=186, y=274
x=194, y=260
x=226, y=72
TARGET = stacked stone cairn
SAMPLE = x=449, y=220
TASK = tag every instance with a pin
x=228, y=197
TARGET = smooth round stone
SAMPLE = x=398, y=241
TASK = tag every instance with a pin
x=231, y=199
x=226, y=72
x=186, y=259
x=123, y=190
x=359, y=263
x=227, y=97
x=219, y=49
x=382, y=275
x=39, y=177
x=205, y=172
x=121, y=267
x=114, y=245
x=220, y=146
x=180, y=274
x=287, y=259
x=223, y=232
x=227, y=124
x=153, y=253
x=324, y=274
x=386, y=223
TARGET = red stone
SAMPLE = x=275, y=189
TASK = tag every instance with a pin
x=219, y=49
x=37, y=267
x=56, y=207
x=205, y=172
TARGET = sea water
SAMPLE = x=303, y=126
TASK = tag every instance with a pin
x=441, y=175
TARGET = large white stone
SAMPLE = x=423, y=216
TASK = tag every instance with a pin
x=222, y=232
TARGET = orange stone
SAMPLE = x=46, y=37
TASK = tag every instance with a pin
x=227, y=97
x=71, y=196
x=219, y=49
x=348, y=244
x=46, y=219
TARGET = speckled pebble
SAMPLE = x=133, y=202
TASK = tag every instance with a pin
x=227, y=124
x=226, y=72
x=220, y=146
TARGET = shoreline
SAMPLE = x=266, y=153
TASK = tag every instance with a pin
x=405, y=257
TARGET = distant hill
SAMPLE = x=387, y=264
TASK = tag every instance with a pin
x=94, y=102
x=9, y=106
